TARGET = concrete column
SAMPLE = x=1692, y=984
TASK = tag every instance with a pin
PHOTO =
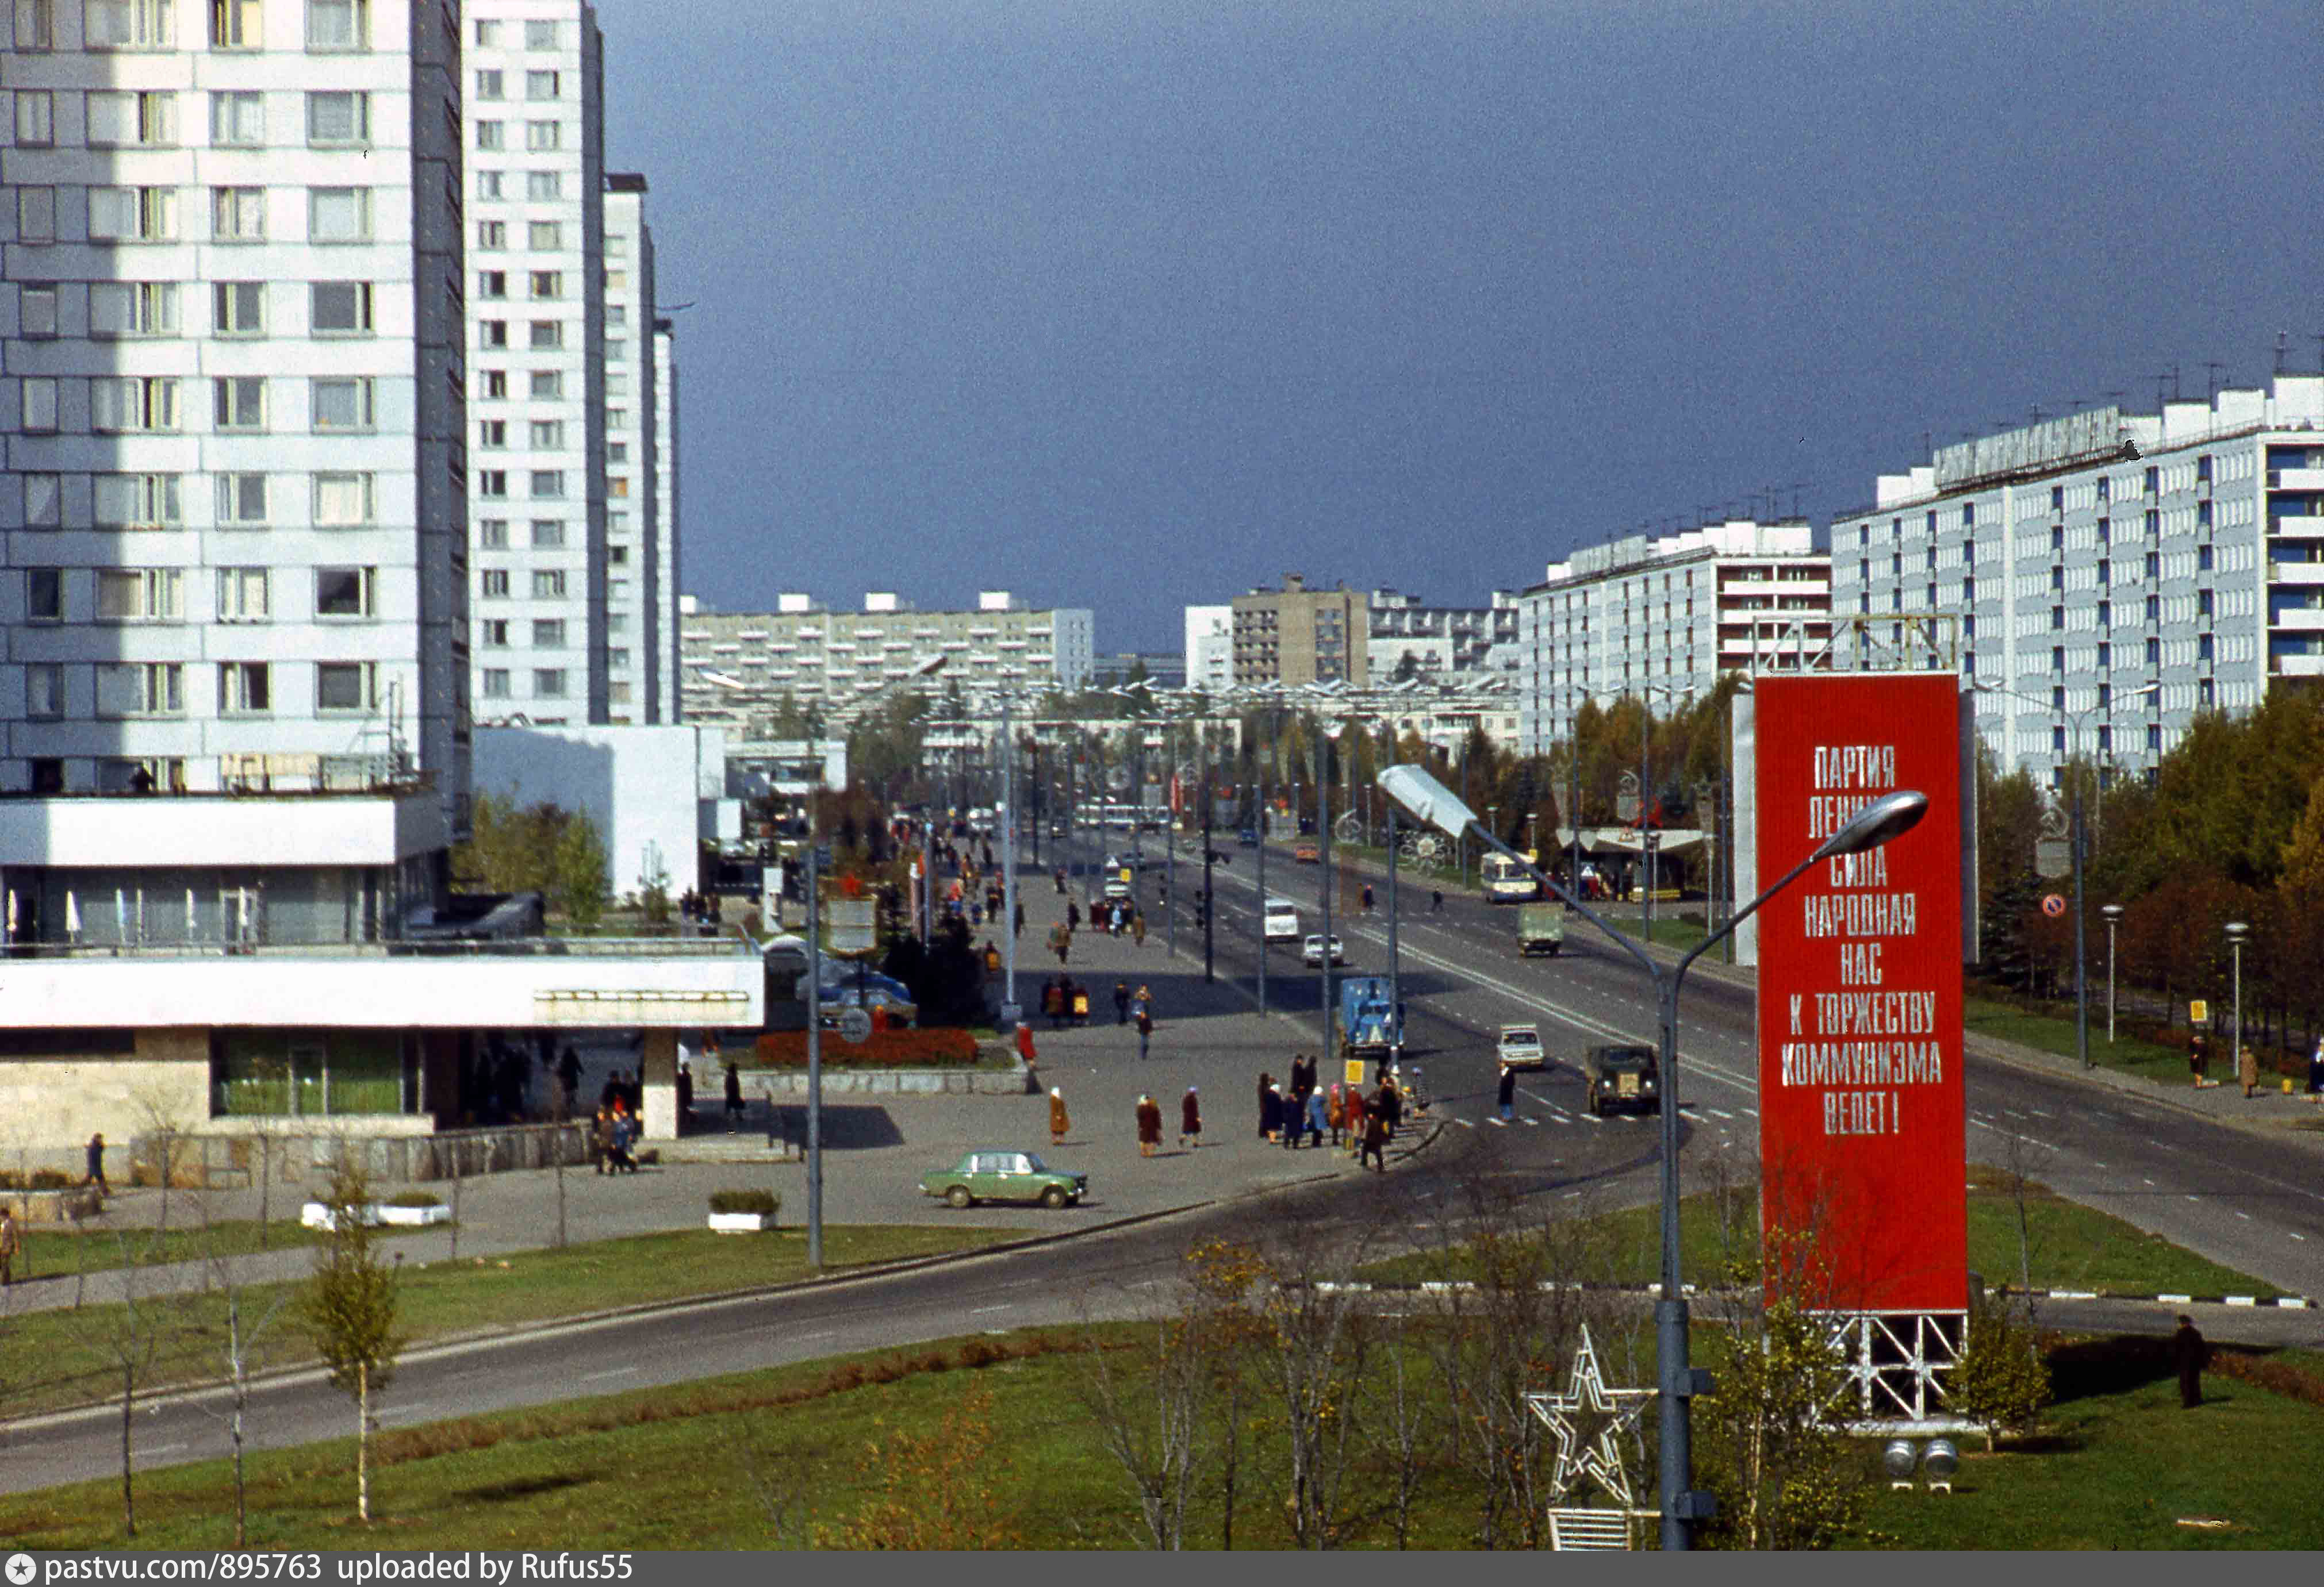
x=658, y=1075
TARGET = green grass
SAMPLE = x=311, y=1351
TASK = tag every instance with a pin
x=51, y=1359
x=2071, y=1247
x=2005, y=1021
x=49, y=1250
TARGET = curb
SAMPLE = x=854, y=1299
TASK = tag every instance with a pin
x=1468, y=1287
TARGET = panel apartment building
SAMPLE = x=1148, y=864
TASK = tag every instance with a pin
x=533, y=88
x=231, y=394
x=1295, y=636
x=634, y=541
x=1406, y=634
x=2089, y=556
x=741, y=666
x=1662, y=618
x=667, y=539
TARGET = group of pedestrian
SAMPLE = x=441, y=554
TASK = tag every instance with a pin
x=1063, y=998
x=614, y=1130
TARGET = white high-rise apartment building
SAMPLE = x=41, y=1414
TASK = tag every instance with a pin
x=231, y=403
x=1210, y=648
x=666, y=531
x=1663, y=619
x=533, y=90
x=633, y=538
x=2088, y=557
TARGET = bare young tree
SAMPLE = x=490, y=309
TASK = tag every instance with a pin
x=1149, y=1418
x=249, y=1318
x=349, y=1306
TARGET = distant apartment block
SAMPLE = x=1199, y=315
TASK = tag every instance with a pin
x=1209, y=648
x=2089, y=556
x=1662, y=618
x=1406, y=636
x=1295, y=636
x=534, y=107
x=739, y=668
x=634, y=541
x=667, y=541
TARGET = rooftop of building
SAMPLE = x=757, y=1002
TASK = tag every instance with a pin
x=1737, y=537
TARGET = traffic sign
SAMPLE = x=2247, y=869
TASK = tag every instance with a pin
x=2053, y=906
x=854, y=1026
x=2052, y=857
x=2198, y=1012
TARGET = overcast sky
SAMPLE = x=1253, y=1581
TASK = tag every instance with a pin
x=1130, y=304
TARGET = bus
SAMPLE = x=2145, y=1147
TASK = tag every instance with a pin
x=1507, y=881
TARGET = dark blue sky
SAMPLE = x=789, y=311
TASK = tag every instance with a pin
x=1133, y=304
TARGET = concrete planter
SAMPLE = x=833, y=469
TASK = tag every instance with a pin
x=53, y=1206
x=740, y=1223
x=316, y=1215
x=788, y=1085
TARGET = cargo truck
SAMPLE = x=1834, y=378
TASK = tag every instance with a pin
x=1369, y=1027
x=1541, y=928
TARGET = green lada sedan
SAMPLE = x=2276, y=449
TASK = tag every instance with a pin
x=1004, y=1176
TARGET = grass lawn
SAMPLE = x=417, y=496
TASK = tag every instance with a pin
x=1987, y=1017
x=51, y=1359
x=50, y=1250
x=2070, y=1246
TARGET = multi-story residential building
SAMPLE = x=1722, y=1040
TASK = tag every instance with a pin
x=2086, y=558
x=230, y=387
x=633, y=546
x=534, y=97
x=1295, y=634
x=1162, y=669
x=741, y=667
x=1209, y=648
x=667, y=540
x=1663, y=618
x=1408, y=637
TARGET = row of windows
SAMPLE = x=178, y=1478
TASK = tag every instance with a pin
x=123, y=309
x=150, y=404
x=157, y=594
x=548, y=634
x=152, y=24
x=336, y=499
x=541, y=335
x=547, y=683
x=158, y=688
x=335, y=118
x=546, y=484
x=150, y=214
x=541, y=237
x=540, y=137
x=492, y=83
x=548, y=584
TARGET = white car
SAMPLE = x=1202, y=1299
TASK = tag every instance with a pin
x=1281, y=921
x=1521, y=1048
x=1313, y=953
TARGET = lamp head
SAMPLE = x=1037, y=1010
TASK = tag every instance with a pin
x=1883, y=821
x=2112, y=912
x=2237, y=930
x=1429, y=802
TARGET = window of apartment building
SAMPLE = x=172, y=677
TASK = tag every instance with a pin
x=540, y=35
x=44, y=594
x=548, y=633
x=548, y=534
x=36, y=214
x=494, y=583
x=338, y=214
x=617, y=452
x=133, y=309
x=492, y=283
x=490, y=139
x=547, y=284
x=346, y=592
x=617, y=622
x=548, y=434
x=36, y=118
x=617, y=315
x=139, y=595
x=488, y=34
x=37, y=395
x=492, y=534
x=133, y=214
x=495, y=683
x=44, y=691
x=36, y=312
x=495, y=386
x=546, y=334
x=242, y=595
x=238, y=215
x=130, y=24
x=343, y=501
x=491, y=434
x=541, y=84
x=238, y=309
x=126, y=404
x=492, y=633
x=491, y=483
x=342, y=403
x=238, y=120
x=491, y=333
x=246, y=688
x=543, y=137
x=542, y=186
x=488, y=185
x=339, y=308
x=135, y=502
x=549, y=683
x=345, y=685
x=2202, y=559
x=36, y=24
x=619, y=489
x=141, y=689
x=546, y=384
x=241, y=500
x=132, y=119
x=548, y=484
x=238, y=402
x=544, y=236
x=338, y=118
x=548, y=584
x=492, y=233
x=489, y=85
x=338, y=24
x=617, y=555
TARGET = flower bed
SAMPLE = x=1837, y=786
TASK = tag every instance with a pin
x=939, y=1049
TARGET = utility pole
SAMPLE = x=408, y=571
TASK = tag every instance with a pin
x=1210, y=904
x=1324, y=882
x=1263, y=825
x=814, y=1036
x=1009, y=1011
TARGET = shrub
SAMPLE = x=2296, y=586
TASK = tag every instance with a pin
x=415, y=1199
x=762, y=1202
x=943, y=1047
x=2002, y=1382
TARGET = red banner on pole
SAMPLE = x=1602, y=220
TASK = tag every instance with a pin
x=1862, y=1142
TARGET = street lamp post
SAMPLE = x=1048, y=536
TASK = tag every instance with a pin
x=1882, y=820
x=1261, y=885
x=2237, y=931
x=2113, y=913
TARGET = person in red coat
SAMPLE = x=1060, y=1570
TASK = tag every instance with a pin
x=1190, y=1121
x=1149, y=1126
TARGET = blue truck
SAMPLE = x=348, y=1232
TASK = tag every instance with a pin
x=1368, y=1026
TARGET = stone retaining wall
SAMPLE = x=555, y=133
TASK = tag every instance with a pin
x=790, y=1085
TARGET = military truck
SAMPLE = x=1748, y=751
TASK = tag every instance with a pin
x=1541, y=928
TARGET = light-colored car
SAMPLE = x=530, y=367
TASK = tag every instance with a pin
x=1520, y=1048
x=1280, y=920
x=1004, y=1176
x=1313, y=953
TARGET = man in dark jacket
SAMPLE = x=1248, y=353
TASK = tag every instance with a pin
x=2190, y=1355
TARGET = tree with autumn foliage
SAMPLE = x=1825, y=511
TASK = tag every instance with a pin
x=947, y=1487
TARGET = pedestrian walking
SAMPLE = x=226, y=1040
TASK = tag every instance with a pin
x=1367, y=898
x=733, y=1098
x=1145, y=1029
x=2198, y=1057
x=1061, y=881
x=1435, y=900
x=1270, y=1107
x=1025, y=1043
x=1122, y=1003
x=1357, y=1114
x=1059, y=1123
x=625, y=1132
x=1287, y=1114
x=1509, y=1096
x=1375, y=1143
x=96, y=1164
x=601, y=1138
x=2247, y=1068
x=12, y=1241
x=1149, y=1126
x=1142, y=1004
x=1062, y=941
x=2190, y=1355
x=1335, y=1113
x=2316, y=1073
x=1138, y=928
x=1073, y=916
x=1387, y=1103
x=1018, y=928
x=1318, y=1116
x=1190, y=1121
x=568, y=1075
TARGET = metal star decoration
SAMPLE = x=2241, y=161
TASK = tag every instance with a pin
x=1597, y=1456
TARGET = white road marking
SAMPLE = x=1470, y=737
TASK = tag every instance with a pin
x=149, y=1449
x=982, y=1311
x=818, y=1333
x=1719, y=1113
x=2149, y=1183
x=2300, y=1237
x=1500, y=1124
x=1535, y=1122
x=1464, y=1123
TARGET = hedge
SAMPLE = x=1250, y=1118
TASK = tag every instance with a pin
x=943, y=1046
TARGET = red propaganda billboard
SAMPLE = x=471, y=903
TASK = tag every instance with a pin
x=1862, y=1142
